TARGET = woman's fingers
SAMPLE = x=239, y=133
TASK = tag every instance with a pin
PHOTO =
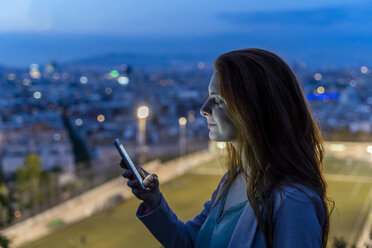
x=148, y=180
x=137, y=192
x=123, y=164
x=133, y=184
x=142, y=172
x=151, y=183
x=151, y=180
x=128, y=174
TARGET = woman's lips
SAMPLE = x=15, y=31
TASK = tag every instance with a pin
x=211, y=125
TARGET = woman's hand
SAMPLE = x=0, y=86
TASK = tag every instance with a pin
x=151, y=195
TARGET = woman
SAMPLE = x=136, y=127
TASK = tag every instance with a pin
x=274, y=193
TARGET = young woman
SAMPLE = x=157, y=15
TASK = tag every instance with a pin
x=274, y=193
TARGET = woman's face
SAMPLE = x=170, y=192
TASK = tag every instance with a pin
x=215, y=111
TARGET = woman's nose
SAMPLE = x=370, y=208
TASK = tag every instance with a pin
x=205, y=110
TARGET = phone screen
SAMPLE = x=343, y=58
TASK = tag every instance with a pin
x=123, y=153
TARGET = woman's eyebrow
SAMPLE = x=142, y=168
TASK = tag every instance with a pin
x=213, y=93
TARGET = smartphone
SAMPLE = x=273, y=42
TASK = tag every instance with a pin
x=123, y=153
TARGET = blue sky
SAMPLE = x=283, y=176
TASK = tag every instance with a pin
x=137, y=17
x=321, y=33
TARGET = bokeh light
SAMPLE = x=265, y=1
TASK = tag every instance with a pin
x=18, y=214
x=37, y=94
x=83, y=80
x=320, y=90
x=364, y=69
x=191, y=116
x=143, y=112
x=34, y=71
x=318, y=76
x=369, y=149
x=182, y=121
x=100, y=118
x=57, y=137
x=201, y=65
x=56, y=76
x=108, y=91
x=11, y=76
x=123, y=80
x=26, y=82
x=114, y=73
x=78, y=122
x=353, y=83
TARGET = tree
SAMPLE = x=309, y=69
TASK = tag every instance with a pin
x=27, y=182
x=49, y=187
x=4, y=241
x=2, y=176
x=5, y=206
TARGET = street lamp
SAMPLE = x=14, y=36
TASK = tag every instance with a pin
x=182, y=121
x=142, y=114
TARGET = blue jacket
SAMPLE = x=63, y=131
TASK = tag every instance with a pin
x=298, y=223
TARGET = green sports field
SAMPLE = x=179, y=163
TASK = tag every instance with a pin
x=186, y=195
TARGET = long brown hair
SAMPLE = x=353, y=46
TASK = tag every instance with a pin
x=277, y=134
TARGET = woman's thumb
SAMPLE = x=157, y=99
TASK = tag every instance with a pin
x=142, y=172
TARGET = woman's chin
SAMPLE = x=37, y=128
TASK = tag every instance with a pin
x=214, y=138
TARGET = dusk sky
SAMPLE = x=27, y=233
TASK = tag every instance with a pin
x=39, y=30
x=120, y=17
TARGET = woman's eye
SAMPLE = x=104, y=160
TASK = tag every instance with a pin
x=218, y=101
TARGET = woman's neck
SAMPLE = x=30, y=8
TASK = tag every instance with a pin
x=244, y=162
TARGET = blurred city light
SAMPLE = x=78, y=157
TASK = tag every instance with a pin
x=78, y=122
x=57, y=137
x=143, y=112
x=18, y=214
x=56, y=76
x=364, y=69
x=182, y=121
x=100, y=118
x=37, y=94
x=11, y=76
x=369, y=149
x=191, y=116
x=318, y=76
x=34, y=71
x=114, y=73
x=35, y=74
x=49, y=68
x=201, y=65
x=108, y=91
x=353, y=83
x=83, y=80
x=320, y=90
x=123, y=80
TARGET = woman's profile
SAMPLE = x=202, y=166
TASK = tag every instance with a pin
x=273, y=193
